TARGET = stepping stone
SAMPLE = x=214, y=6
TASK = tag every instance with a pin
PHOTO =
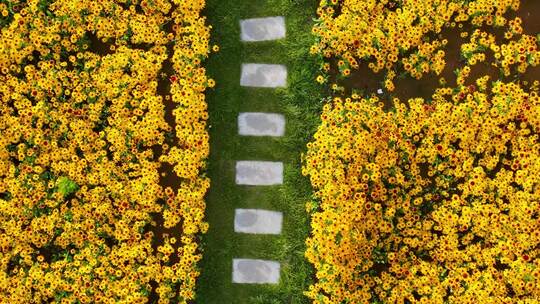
x=257, y=221
x=259, y=173
x=248, y=271
x=262, y=29
x=261, y=124
x=263, y=75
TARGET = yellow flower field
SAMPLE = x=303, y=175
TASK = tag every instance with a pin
x=425, y=179
x=401, y=36
x=84, y=141
x=426, y=200
x=431, y=201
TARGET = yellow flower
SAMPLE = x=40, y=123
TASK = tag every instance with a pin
x=81, y=168
x=376, y=229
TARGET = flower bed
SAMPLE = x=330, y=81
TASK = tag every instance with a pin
x=427, y=200
x=398, y=36
x=83, y=88
x=438, y=201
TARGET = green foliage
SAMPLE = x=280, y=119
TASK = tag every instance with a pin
x=66, y=186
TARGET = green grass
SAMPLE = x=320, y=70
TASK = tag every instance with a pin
x=300, y=103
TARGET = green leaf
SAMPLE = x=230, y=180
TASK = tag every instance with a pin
x=68, y=216
x=66, y=186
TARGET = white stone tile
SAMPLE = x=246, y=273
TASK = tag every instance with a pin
x=257, y=221
x=259, y=173
x=250, y=271
x=261, y=124
x=262, y=29
x=263, y=75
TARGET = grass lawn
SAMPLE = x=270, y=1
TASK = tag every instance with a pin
x=300, y=103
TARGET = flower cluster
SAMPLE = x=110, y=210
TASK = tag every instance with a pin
x=85, y=87
x=430, y=200
x=520, y=50
x=435, y=201
x=391, y=34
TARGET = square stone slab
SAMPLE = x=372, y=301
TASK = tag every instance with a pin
x=261, y=124
x=263, y=75
x=248, y=271
x=262, y=29
x=257, y=221
x=259, y=173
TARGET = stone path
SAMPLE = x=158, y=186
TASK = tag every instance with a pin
x=263, y=75
x=257, y=221
x=260, y=173
x=262, y=29
x=261, y=124
x=251, y=271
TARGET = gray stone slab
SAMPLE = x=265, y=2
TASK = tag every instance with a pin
x=250, y=271
x=259, y=173
x=262, y=29
x=257, y=221
x=263, y=75
x=261, y=124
